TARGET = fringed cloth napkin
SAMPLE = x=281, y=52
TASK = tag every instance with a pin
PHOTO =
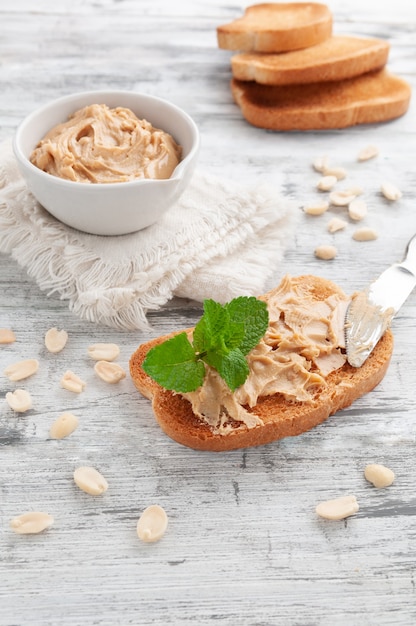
x=219, y=241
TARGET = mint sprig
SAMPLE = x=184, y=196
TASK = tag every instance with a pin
x=222, y=338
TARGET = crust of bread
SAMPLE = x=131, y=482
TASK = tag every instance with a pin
x=277, y=27
x=280, y=417
x=367, y=99
x=336, y=58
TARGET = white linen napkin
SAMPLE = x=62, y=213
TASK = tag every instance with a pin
x=219, y=241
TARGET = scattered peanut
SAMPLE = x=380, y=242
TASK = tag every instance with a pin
x=7, y=336
x=72, y=382
x=364, y=234
x=357, y=210
x=391, y=192
x=90, y=480
x=104, y=351
x=55, y=340
x=341, y=198
x=21, y=369
x=63, y=426
x=19, y=400
x=336, y=224
x=31, y=523
x=339, y=508
x=326, y=183
x=326, y=252
x=109, y=372
x=339, y=172
x=152, y=524
x=379, y=475
x=320, y=164
x=369, y=152
x=355, y=190
x=318, y=208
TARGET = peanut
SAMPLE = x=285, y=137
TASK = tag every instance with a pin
x=104, y=351
x=109, y=372
x=316, y=208
x=55, y=340
x=339, y=172
x=390, y=191
x=90, y=480
x=72, y=382
x=7, y=336
x=369, y=152
x=320, y=164
x=357, y=210
x=364, y=234
x=336, y=224
x=63, y=426
x=326, y=183
x=152, y=524
x=339, y=508
x=19, y=400
x=31, y=523
x=21, y=369
x=341, y=198
x=326, y=253
x=379, y=475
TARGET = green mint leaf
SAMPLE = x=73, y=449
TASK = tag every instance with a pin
x=253, y=315
x=232, y=366
x=222, y=338
x=209, y=331
x=173, y=365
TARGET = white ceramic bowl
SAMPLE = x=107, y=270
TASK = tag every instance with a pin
x=107, y=208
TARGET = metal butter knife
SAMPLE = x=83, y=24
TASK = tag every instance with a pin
x=372, y=310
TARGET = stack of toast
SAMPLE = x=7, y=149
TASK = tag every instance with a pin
x=292, y=73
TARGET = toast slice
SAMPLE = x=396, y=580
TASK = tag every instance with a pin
x=367, y=99
x=277, y=27
x=277, y=415
x=336, y=58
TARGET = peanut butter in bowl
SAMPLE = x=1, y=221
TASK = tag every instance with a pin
x=99, y=144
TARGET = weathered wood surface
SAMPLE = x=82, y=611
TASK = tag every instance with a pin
x=244, y=545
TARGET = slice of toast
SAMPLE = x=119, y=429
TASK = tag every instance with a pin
x=336, y=58
x=280, y=417
x=277, y=27
x=367, y=99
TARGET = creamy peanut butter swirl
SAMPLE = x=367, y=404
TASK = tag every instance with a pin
x=102, y=145
x=301, y=347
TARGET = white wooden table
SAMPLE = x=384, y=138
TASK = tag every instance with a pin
x=244, y=546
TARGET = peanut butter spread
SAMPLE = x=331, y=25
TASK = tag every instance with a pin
x=102, y=145
x=301, y=346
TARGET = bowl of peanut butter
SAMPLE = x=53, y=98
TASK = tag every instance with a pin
x=107, y=162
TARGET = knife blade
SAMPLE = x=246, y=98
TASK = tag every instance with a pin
x=371, y=311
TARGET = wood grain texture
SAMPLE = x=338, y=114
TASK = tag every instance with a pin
x=243, y=546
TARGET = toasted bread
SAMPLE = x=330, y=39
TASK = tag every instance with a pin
x=277, y=27
x=336, y=58
x=280, y=417
x=367, y=99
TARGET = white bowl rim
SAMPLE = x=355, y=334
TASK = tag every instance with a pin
x=102, y=94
